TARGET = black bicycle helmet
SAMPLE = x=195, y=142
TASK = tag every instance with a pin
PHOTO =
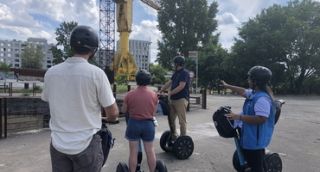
x=260, y=74
x=84, y=37
x=179, y=60
x=143, y=77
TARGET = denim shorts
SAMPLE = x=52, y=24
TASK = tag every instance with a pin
x=140, y=129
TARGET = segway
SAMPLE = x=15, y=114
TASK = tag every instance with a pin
x=272, y=161
x=183, y=146
x=160, y=167
x=123, y=167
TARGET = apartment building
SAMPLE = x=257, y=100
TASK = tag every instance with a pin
x=141, y=52
x=11, y=50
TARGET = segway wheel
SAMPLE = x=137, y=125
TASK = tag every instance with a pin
x=164, y=141
x=236, y=163
x=160, y=166
x=122, y=167
x=272, y=163
x=183, y=147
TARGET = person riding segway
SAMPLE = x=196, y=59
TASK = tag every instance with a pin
x=182, y=146
x=140, y=106
x=253, y=128
x=76, y=90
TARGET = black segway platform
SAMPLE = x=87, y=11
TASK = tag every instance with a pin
x=182, y=147
x=160, y=167
x=271, y=163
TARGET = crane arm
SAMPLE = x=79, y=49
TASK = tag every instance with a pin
x=152, y=3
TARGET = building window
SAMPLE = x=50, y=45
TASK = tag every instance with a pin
x=17, y=60
x=16, y=65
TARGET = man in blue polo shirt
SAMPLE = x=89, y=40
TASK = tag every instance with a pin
x=179, y=95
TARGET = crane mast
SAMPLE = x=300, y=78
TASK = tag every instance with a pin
x=123, y=62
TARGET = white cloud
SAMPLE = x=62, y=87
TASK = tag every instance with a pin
x=147, y=30
x=232, y=13
x=227, y=27
x=227, y=18
x=148, y=9
x=19, y=17
x=5, y=12
x=227, y=35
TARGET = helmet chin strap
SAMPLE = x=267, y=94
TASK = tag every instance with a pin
x=93, y=53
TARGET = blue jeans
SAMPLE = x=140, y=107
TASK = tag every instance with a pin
x=140, y=129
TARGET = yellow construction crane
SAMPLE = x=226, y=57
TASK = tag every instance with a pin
x=123, y=62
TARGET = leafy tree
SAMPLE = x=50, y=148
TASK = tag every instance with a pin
x=57, y=55
x=158, y=74
x=303, y=58
x=185, y=25
x=210, y=62
x=32, y=57
x=4, y=67
x=4, y=70
x=283, y=38
x=62, y=50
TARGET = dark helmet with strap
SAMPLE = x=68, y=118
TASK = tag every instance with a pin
x=260, y=74
x=143, y=77
x=179, y=60
x=84, y=37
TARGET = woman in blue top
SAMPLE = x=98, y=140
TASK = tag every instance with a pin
x=257, y=117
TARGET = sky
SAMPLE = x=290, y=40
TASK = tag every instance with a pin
x=21, y=19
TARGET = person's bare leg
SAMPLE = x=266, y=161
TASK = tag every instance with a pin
x=151, y=156
x=133, y=146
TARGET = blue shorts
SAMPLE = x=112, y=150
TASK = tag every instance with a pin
x=140, y=129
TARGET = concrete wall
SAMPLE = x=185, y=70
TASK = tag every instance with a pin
x=24, y=113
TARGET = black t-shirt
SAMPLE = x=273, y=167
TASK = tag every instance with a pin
x=181, y=75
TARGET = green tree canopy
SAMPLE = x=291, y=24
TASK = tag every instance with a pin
x=283, y=38
x=185, y=25
x=158, y=74
x=211, y=60
x=32, y=57
x=62, y=50
x=4, y=67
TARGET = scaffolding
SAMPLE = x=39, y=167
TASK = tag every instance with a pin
x=107, y=14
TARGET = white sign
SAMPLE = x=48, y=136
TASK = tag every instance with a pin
x=193, y=54
x=191, y=74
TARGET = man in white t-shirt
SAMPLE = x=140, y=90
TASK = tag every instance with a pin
x=76, y=91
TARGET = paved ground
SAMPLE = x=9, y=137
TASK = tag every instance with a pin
x=296, y=138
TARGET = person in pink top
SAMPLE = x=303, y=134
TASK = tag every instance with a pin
x=141, y=104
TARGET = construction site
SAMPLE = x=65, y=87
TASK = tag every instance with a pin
x=25, y=134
